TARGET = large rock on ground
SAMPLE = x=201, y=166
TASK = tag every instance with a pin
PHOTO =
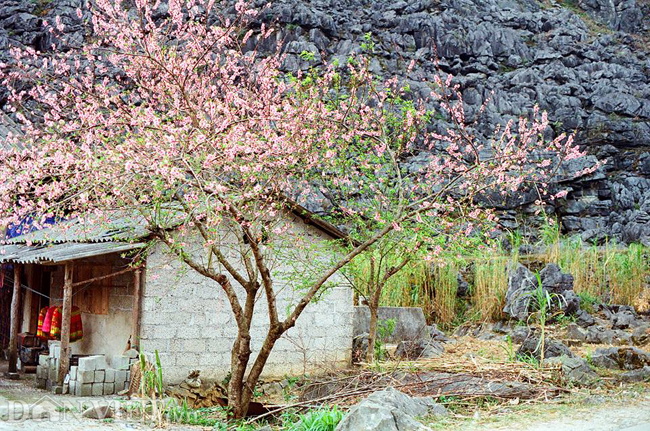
x=554, y=280
x=639, y=375
x=521, y=284
x=552, y=348
x=575, y=370
x=390, y=410
x=420, y=349
x=620, y=358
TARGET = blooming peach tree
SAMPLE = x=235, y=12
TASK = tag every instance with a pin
x=180, y=113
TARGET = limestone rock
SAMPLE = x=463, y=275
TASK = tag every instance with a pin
x=98, y=412
x=638, y=375
x=390, y=410
x=575, y=370
x=552, y=348
x=420, y=349
x=621, y=358
x=521, y=283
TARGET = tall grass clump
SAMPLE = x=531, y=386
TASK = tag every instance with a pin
x=613, y=273
x=445, y=281
x=627, y=270
x=490, y=287
x=585, y=264
x=413, y=287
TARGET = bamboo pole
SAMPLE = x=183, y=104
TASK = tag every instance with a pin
x=64, y=359
x=15, y=313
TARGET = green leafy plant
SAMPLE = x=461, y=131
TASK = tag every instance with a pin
x=510, y=349
x=385, y=329
x=543, y=302
x=307, y=55
x=318, y=420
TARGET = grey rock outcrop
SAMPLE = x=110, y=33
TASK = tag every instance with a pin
x=621, y=358
x=575, y=370
x=587, y=65
x=552, y=348
x=390, y=410
x=521, y=283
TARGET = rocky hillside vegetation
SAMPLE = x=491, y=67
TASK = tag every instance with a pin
x=584, y=61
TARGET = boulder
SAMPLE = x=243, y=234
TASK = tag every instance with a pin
x=419, y=349
x=98, y=412
x=552, y=348
x=521, y=283
x=641, y=335
x=520, y=334
x=554, y=280
x=623, y=319
x=431, y=332
x=620, y=358
x=390, y=410
x=360, y=347
x=575, y=370
x=638, y=375
x=584, y=319
x=575, y=332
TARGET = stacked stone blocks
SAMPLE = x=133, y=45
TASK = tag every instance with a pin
x=93, y=376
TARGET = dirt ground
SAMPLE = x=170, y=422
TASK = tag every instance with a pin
x=607, y=407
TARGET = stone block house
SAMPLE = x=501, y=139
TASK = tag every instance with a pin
x=163, y=305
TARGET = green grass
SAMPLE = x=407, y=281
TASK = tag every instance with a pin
x=318, y=420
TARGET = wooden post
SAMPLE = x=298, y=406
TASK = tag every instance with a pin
x=64, y=360
x=27, y=306
x=135, y=317
x=15, y=313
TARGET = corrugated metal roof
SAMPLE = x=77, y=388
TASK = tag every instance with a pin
x=56, y=253
x=121, y=227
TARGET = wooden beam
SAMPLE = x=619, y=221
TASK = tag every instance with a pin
x=135, y=317
x=15, y=323
x=64, y=360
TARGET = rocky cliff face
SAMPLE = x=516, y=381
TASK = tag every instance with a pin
x=586, y=62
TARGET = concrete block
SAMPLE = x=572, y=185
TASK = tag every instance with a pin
x=409, y=322
x=195, y=345
x=85, y=376
x=120, y=376
x=73, y=372
x=109, y=376
x=85, y=389
x=97, y=389
x=120, y=362
x=52, y=374
x=100, y=376
x=92, y=363
x=42, y=360
x=109, y=388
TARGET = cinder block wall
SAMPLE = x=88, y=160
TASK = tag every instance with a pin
x=187, y=318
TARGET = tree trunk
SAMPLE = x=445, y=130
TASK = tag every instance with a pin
x=15, y=321
x=373, y=306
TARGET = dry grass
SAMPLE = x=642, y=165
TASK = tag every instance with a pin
x=490, y=286
x=445, y=289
